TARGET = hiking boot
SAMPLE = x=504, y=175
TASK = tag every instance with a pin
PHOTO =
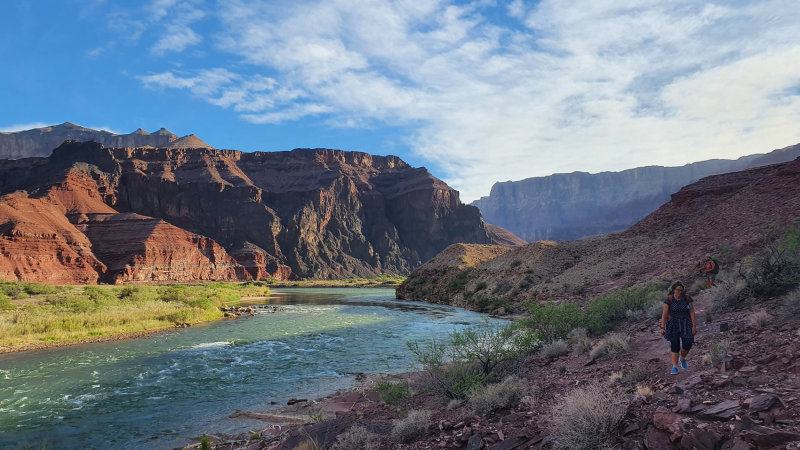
x=684, y=364
x=674, y=371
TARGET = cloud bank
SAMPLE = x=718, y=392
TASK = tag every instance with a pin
x=499, y=91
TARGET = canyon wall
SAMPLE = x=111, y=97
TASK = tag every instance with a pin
x=183, y=214
x=570, y=206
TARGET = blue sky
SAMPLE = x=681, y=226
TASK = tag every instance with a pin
x=478, y=92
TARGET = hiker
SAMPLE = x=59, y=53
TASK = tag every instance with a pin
x=710, y=269
x=678, y=324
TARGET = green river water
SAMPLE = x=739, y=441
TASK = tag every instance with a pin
x=166, y=390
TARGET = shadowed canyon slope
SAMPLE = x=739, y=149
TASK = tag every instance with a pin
x=42, y=141
x=732, y=211
x=569, y=206
x=89, y=213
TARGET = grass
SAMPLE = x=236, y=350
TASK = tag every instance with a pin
x=760, y=318
x=68, y=314
x=587, y=418
x=392, y=393
x=490, y=398
x=356, y=438
x=612, y=344
x=412, y=426
x=717, y=351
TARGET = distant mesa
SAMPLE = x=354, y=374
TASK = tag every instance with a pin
x=40, y=142
x=190, y=141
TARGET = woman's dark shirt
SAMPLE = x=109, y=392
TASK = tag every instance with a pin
x=679, y=307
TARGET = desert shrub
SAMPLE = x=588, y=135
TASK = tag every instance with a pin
x=176, y=293
x=458, y=283
x=587, y=418
x=602, y=313
x=615, y=376
x=480, y=286
x=636, y=375
x=643, y=391
x=551, y=321
x=582, y=346
x=41, y=289
x=612, y=344
x=790, y=304
x=470, y=356
x=697, y=286
x=554, y=349
x=11, y=288
x=409, y=428
x=487, y=345
x=725, y=296
x=577, y=334
x=205, y=443
x=356, y=438
x=490, y=398
x=760, y=318
x=5, y=302
x=775, y=269
x=392, y=392
x=502, y=287
x=717, y=351
x=442, y=375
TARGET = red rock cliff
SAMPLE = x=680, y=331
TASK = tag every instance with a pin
x=175, y=214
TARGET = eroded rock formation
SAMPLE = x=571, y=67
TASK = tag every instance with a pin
x=570, y=206
x=42, y=141
x=179, y=214
x=731, y=211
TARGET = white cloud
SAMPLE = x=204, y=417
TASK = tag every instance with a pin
x=530, y=89
x=23, y=126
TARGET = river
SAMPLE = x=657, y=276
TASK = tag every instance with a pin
x=168, y=389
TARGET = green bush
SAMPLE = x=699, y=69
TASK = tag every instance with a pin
x=40, y=289
x=470, y=356
x=444, y=376
x=392, y=392
x=551, y=321
x=775, y=269
x=176, y=293
x=458, y=283
x=5, y=302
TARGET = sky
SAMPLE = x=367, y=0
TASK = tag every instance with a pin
x=476, y=91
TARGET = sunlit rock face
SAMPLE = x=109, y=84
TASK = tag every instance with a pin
x=180, y=214
x=570, y=206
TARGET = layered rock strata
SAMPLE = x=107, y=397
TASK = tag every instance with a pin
x=42, y=141
x=570, y=206
x=178, y=214
x=728, y=214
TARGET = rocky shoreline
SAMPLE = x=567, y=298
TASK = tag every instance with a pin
x=751, y=400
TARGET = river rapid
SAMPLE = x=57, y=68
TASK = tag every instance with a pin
x=168, y=389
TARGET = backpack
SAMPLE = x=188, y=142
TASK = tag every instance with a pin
x=716, y=266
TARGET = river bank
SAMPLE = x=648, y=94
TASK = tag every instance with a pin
x=36, y=316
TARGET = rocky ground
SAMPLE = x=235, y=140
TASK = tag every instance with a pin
x=750, y=400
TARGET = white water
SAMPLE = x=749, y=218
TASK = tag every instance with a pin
x=165, y=390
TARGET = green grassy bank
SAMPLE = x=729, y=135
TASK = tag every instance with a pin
x=36, y=315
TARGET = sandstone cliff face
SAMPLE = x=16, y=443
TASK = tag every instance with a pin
x=729, y=210
x=572, y=206
x=172, y=214
x=42, y=141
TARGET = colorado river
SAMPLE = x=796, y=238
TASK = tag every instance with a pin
x=164, y=390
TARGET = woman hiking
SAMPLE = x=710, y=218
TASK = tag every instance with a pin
x=678, y=324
